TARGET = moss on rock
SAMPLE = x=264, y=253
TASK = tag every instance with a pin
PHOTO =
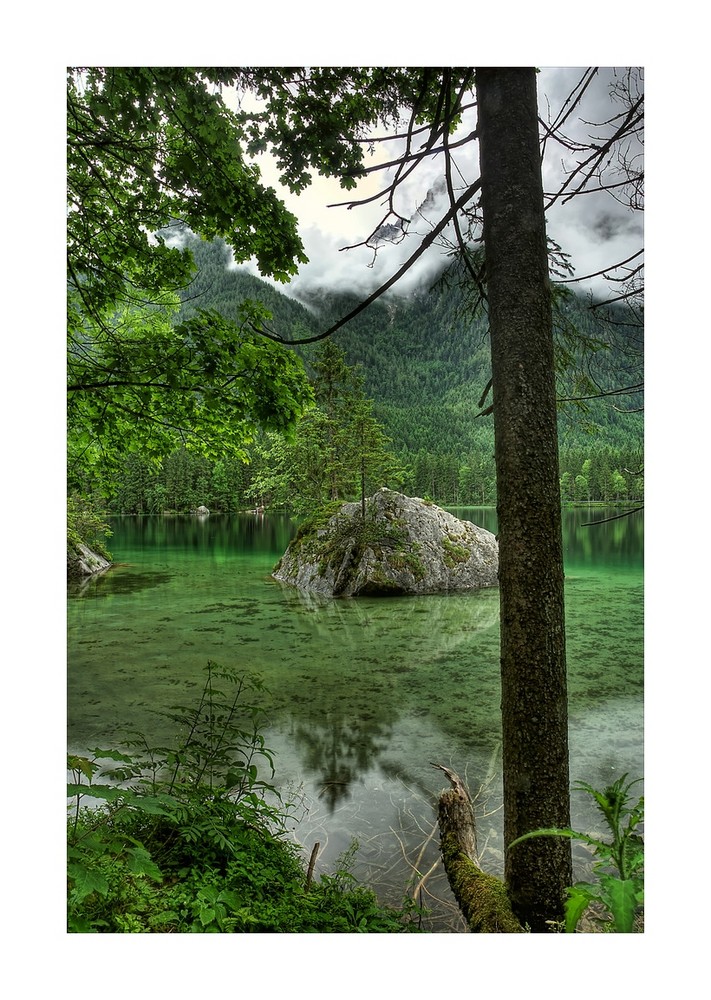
x=402, y=545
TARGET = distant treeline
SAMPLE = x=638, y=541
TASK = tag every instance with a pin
x=184, y=481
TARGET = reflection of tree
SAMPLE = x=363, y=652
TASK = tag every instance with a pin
x=618, y=539
x=342, y=747
x=381, y=653
x=219, y=534
x=440, y=620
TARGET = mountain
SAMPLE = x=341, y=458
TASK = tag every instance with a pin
x=425, y=358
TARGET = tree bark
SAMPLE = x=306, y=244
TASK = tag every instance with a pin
x=481, y=897
x=533, y=669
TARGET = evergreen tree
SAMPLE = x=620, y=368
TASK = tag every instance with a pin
x=533, y=665
x=339, y=450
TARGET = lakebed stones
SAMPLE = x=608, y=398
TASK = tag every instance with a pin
x=404, y=545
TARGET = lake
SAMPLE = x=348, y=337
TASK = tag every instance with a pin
x=365, y=694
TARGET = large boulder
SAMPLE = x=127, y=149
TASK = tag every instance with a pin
x=83, y=561
x=404, y=545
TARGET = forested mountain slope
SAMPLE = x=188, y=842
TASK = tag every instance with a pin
x=425, y=363
x=425, y=358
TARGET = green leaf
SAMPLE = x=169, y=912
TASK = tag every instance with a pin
x=208, y=894
x=621, y=898
x=578, y=900
x=86, y=881
x=112, y=755
x=160, y=805
x=231, y=899
x=140, y=862
x=632, y=855
x=107, y=792
x=87, y=767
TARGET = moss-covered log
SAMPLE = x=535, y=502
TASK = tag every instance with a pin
x=482, y=898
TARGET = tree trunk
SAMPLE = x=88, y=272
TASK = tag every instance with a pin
x=533, y=673
x=481, y=897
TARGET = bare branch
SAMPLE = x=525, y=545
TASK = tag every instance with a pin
x=613, y=517
x=424, y=245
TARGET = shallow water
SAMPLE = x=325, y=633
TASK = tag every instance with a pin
x=365, y=694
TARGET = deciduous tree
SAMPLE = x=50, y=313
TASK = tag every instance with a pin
x=148, y=147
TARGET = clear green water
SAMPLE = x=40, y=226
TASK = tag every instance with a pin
x=365, y=693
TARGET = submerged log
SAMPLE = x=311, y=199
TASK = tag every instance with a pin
x=482, y=898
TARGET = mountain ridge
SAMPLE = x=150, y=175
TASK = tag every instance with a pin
x=425, y=359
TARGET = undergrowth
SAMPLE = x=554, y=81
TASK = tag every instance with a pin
x=615, y=902
x=184, y=838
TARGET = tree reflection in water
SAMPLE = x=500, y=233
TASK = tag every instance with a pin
x=341, y=749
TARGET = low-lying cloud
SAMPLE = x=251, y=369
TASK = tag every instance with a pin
x=595, y=228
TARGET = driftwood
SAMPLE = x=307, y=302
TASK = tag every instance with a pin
x=482, y=898
x=312, y=862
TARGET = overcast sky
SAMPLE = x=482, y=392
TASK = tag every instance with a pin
x=594, y=229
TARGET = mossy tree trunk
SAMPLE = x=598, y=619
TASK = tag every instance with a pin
x=533, y=667
x=482, y=898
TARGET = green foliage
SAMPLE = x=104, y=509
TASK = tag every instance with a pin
x=159, y=182
x=142, y=144
x=109, y=870
x=339, y=450
x=147, y=146
x=86, y=524
x=423, y=361
x=620, y=891
x=315, y=119
x=187, y=838
x=149, y=383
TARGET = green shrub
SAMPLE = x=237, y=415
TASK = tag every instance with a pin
x=86, y=524
x=185, y=841
x=619, y=891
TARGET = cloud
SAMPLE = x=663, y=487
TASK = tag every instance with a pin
x=594, y=228
x=597, y=228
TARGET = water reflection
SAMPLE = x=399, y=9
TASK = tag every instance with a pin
x=218, y=533
x=340, y=749
x=450, y=617
x=363, y=667
x=590, y=537
x=590, y=534
x=119, y=579
x=364, y=692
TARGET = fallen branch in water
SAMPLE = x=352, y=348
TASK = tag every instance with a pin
x=482, y=898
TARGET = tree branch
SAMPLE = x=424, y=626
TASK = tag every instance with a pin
x=426, y=243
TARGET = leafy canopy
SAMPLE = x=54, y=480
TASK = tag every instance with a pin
x=150, y=382
x=321, y=118
x=153, y=150
x=148, y=147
